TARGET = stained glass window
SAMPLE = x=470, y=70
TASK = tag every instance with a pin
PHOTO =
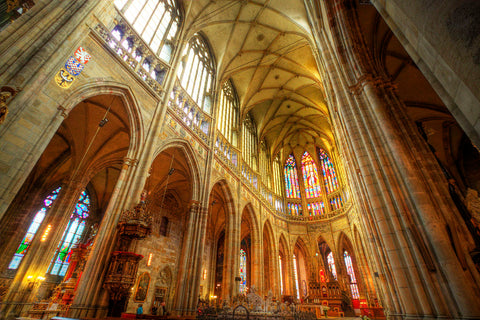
x=316, y=208
x=71, y=236
x=331, y=265
x=351, y=274
x=156, y=21
x=243, y=271
x=336, y=203
x=297, y=287
x=280, y=268
x=294, y=209
x=32, y=230
x=291, y=178
x=310, y=176
x=331, y=182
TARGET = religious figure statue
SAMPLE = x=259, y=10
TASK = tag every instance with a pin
x=3, y=105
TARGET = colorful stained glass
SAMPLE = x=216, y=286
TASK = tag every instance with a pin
x=243, y=271
x=291, y=178
x=328, y=170
x=316, y=208
x=71, y=236
x=351, y=274
x=294, y=209
x=336, y=203
x=310, y=176
x=32, y=230
x=331, y=265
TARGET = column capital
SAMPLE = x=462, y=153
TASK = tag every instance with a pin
x=129, y=162
x=369, y=79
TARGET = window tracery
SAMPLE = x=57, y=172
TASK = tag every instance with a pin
x=227, y=119
x=291, y=178
x=71, y=236
x=196, y=73
x=351, y=274
x=331, y=265
x=328, y=170
x=32, y=229
x=310, y=176
x=156, y=21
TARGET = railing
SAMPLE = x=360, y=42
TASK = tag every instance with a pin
x=135, y=53
x=226, y=152
x=189, y=112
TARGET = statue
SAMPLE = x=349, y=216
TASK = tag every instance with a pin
x=3, y=105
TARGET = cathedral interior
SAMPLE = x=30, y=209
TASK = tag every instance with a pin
x=283, y=156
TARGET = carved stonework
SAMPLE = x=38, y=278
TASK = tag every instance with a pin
x=6, y=94
x=121, y=274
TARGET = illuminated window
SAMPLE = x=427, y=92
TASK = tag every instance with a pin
x=196, y=73
x=297, y=287
x=277, y=181
x=227, y=119
x=316, y=208
x=294, y=209
x=243, y=271
x=331, y=183
x=336, y=203
x=156, y=21
x=310, y=176
x=351, y=274
x=71, y=236
x=249, y=143
x=291, y=178
x=280, y=268
x=32, y=230
x=331, y=265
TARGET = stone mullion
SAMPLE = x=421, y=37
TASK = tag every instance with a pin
x=40, y=254
x=89, y=290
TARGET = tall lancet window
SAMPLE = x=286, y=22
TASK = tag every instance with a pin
x=156, y=21
x=71, y=236
x=331, y=265
x=295, y=274
x=331, y=182
x=32, y=230
x=310, y=176
x=291, y=178
x=351, y=274
x=243, y=271
x=277, y=180
x=196, y=73
x=227, y=118
x=280, y=269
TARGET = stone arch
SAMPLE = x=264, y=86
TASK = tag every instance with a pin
x=101, y=87
x=300, y=251
x=284, y=267
x=192, y=161
x=250, y=242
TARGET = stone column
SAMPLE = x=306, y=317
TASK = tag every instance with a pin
x=89, y=290
x=190, y=267
x=406, y=207
x=33, y=48
x=442, y=39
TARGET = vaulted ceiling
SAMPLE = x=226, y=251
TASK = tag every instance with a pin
x=264, y=46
